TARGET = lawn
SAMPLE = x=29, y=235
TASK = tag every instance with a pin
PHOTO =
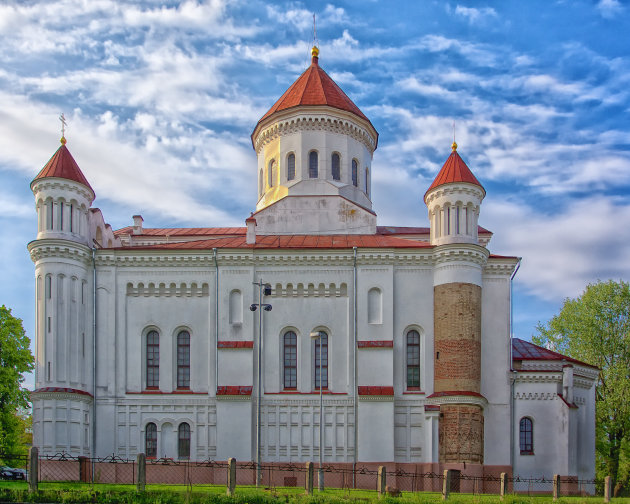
x=14, y=491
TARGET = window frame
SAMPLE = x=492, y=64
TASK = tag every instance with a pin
x=289, y=362
x=335, y=168
x=183, y=440
x=150, y=444
x=355, y=173
x=291, y=166
x=183, y=365
x=410, y=365
x=152, y=360
x=526, y=435
x=313, y=168
x=323, y=341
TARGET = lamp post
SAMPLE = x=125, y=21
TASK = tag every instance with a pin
x=317, y=335
x=263, y=290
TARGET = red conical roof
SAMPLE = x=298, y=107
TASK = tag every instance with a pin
x=62, y=165
x=315, y=87
x=454, y=171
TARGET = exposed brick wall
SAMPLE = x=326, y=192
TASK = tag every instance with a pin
x=461, y=433
x=457, y=333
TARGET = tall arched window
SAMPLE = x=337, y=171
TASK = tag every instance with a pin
x=336, y=166
x=312, y=164
x=270, y=172
x=49, y=215
x=183, y=441
x=413, y=360
x=291, y=166
x=183, y=360
x=153, y=360
x=367, y=181
x=526, y=432
x=290, y=360
x=150, y=440
x=320, y=362
x=61, y=215
x=261, y=187
x=355, y=173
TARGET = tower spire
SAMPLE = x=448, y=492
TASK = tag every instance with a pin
x=62, y=118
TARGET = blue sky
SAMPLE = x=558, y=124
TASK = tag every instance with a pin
x=161, y=98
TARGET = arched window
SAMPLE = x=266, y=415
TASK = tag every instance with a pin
x=336, y=166
x=291, y=166
x=290, y=360
x=312, y=164
x=61, y=215
x=270, y=174
x=183, y=440
x=261, y=187
x=367, y=181
x=49, y=215
x=150, y=440
x=71, y=214
x=321, y=365
x=183, y=360
x=153, y=360
x=413, y=360
x=355, y=173
x=526, y=431
x=375, y=306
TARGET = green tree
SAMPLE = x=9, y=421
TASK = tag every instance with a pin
x=15, y=360
x=595, y=328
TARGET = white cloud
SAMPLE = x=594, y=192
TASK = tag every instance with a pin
x=609, y=8
x=475, y=16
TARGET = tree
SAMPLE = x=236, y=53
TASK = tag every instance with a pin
x=595, y=328
x=15, y=360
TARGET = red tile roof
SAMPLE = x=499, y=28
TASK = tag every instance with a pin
x=314, y=87
x=183, y=231
x=524, y=350
x=62, y=165
x=453, y=171
x=290, y=242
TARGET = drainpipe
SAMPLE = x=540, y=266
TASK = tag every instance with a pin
x=93, y=358
x=354, y=370
x=512, y=370
x=216, y=319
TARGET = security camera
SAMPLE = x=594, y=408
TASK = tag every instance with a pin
x=253, y=307
x=268, y=307
x=267, y=290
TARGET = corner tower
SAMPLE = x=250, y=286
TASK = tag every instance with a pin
x=314, y=149
x=453, y=201
x=62, y=399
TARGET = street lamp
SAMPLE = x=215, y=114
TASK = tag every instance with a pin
x=263, y=290
x=317, y=335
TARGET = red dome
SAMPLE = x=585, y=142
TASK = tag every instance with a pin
x=62, y=165
x=454, y=171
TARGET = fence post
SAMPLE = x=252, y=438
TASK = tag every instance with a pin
x=231, y=476
x=381, y=481
x=33, y=469
x=142, y=472
x=309, y=478
x=556, y=486
x=446, y=484
x=607, y=488
x=503, y=486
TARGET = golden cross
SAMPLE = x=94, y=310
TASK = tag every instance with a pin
x=62, y=118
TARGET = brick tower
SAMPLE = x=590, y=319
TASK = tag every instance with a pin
x=453, y=201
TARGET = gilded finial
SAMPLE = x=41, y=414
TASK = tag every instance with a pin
x=315, y=52
x=454, y=146
x=62, y=118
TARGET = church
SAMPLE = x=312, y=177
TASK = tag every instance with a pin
x=209, y=343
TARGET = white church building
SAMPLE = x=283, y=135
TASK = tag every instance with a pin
x=146, y=340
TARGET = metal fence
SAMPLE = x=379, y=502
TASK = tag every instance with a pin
x=62, y=467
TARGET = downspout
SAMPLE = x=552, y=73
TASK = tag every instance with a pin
x=93, y=358
x=512, y=370
x=354, y=371
x=216, y=319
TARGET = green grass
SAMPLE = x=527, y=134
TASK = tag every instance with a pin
x=72, y=492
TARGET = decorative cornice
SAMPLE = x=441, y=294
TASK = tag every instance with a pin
x=57, y=248
x=375, y=393
x=455, y=188
x=324, y=119
x=61, y=393
x=234, y=391
x=457, y=397
x=460, y=252
x=54, y=183
x=172, y=290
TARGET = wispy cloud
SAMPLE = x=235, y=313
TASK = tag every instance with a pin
x=609, y=8
x=476, y=15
